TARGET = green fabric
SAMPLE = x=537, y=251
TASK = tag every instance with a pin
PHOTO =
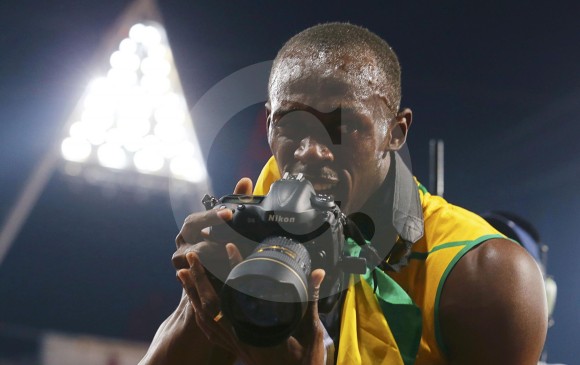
x=402, y=315
x=423, y=255
x=422, y=188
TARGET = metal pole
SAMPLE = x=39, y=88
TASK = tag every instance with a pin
x=436, y=167
x=26, y=200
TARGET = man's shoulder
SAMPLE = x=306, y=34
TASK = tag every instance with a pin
x=494, y=299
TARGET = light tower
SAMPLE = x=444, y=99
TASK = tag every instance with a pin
x=130, y=128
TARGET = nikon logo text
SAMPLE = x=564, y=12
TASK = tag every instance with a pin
x=280, y=219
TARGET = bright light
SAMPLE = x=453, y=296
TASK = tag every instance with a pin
x=151, y=141
x=165, y=114
x=135, y=117
x=163, y=147
x=114, y=136
x=91, y=132
x=148, y=160
x=97, y=136
x=130, y=127
x=78, y=130
x=120, y=78
x=172, y=109
x=188, y=168
x=112, y=155
x=173, y=100
x=155, y=84
x=98, y=85
x=151, y=36
x=133, y=142
x=128, y=45
x=155, y=66
x=75, y=149
x=125, y=61
x=159, y=51
x=186, y=149
x=98, y=118
x=170, y=132
x=168, y=150
x=93, y=126
x=137, y=32
x=101, y=102
x=135, y=104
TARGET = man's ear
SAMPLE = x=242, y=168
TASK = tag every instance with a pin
x=268, y=114
x=399, y=128
x=268, y=124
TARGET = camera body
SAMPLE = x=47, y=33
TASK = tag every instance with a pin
x=293, y=210
x=282, y=236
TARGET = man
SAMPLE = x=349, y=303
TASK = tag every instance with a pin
x=334, y=115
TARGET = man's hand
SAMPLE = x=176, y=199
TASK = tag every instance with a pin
x=306, y=347
x=195, y=332
x=179, y=340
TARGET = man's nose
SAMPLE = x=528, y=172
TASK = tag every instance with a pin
x=312, y=150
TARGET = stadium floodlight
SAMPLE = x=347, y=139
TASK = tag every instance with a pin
x=134, y=117
x=132, y=125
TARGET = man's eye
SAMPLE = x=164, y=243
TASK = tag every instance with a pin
x=349, y=127
x=295, y=124
x=289, y=130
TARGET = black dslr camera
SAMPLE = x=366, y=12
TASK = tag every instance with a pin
x=283, y=236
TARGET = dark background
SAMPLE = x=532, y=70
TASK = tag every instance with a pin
x=499, y=82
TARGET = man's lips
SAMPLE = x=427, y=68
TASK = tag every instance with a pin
x=322, y=186
x=324, y=181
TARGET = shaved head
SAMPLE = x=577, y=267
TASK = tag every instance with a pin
x=360, y=56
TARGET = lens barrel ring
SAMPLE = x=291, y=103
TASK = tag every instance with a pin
x=266, y=295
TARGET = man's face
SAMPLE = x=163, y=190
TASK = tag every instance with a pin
x=326, y=121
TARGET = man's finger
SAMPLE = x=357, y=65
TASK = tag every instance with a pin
x=311, y=316
x=209, y=302
x=310, y=319
x=186, y=279
x=244, y=186
x=191, y=230
x=234, y=255
x=315, y=281
x=211, y=254
x=208, y=315
x=309, y=332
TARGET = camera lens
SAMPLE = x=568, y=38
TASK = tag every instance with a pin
x=266, y=296
x=262, y=310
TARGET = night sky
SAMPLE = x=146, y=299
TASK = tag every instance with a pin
x=499, y=83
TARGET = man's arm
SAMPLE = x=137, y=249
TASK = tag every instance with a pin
x=493, y=307
x=179, y=341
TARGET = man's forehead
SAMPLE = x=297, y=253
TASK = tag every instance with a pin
x=324, y=77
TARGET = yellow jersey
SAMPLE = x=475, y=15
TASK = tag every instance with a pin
x=392, y=318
